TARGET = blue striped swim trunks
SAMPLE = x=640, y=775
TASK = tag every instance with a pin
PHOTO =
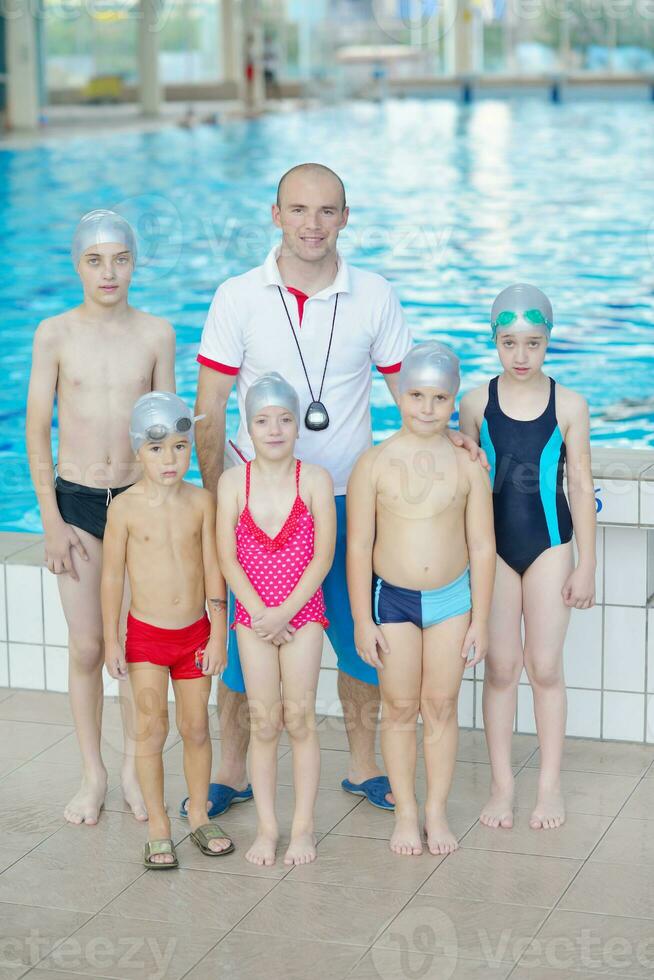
x=393, y=604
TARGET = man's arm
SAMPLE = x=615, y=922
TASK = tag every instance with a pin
x=114, y=549
x=213, y=392
x=163, y=376
x=59, y=536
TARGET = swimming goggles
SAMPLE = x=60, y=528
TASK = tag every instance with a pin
x=507, y=317
x=159, y=431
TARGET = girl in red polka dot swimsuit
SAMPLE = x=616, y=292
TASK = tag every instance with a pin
x=276, y=535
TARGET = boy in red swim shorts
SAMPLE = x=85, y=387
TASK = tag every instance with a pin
x=162, y=530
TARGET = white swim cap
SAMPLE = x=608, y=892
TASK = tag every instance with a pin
x=521, y=300
x=102, y=228
x=430, y=365
x=159, y=414
x=271, y=389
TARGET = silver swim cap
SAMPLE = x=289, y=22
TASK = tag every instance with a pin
x=159, y=414
x=522, y=300
x=271, y=389
x=102, y=228
x=430, y=365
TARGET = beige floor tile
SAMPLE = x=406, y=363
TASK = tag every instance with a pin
x=365, y=863
x=8, y=761
x=585, y=792
x=473, y=747
x=66, y=753
x=46, y=974
x=454, y=927
x=6, y=692
x=37, y=706
x=26, y=826
x=9, y=856
x=333, y=735
x=575, y=839
x=627, y=841
x=36, y=782
x=174, y=792
x=612, y=889
x=326, y=913
x=395, y=964
x=27, y=739
x=368, y=821
x=333, y=768
x=254, y=957
x=546, y=974
x=619, y=758
x=27, y=934
x=492, y=876
x=174, y=757
x=134, y=949
x=61, y=883
x=640, y=806
x=574, y=943
x=116, y=837
x=182, y=895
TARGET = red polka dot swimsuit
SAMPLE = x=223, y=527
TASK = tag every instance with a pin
x=274, y=566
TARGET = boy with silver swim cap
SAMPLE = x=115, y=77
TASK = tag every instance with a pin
x=420, y=525
x=271, y=389
x=162, y=531
x=431, y=365
x=95, y=361
x=158, y=415
x=521, y=308
x=102, y=228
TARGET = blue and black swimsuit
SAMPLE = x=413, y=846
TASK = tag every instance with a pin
x=527, y=461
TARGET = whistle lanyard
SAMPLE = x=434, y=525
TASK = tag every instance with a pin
x=299, y=350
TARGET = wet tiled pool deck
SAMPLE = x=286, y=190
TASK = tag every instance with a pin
x=575, y=903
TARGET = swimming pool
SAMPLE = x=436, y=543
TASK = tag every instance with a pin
x=450, y=202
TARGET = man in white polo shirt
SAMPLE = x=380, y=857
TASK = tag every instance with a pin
x=322, y=324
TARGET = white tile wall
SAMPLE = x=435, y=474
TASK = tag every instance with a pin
x=649, y=733
x=650, y=651
x=328, y=655
x=647, y=502
x=624, y=716
x=4, y=665
x=624, y=648
x=26, y=668
x=619, y=499
x=584, y=713
x=479, y=713
x=599, y=559
x=625, y=548
x=327, y=702
x=582, y=653
x=56, y=630
x=3, y=605
x=56, y=668
x=466, y=699
x=24, y=604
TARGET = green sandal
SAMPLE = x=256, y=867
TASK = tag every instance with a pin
x=164, y=846
x=208, y=832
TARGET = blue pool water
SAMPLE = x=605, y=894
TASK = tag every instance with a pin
x=449, y=202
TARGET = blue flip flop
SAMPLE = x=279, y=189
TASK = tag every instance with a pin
x=221, y=798
x=374, y=790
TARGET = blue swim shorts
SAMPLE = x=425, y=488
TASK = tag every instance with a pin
x=392, y=604
x=341, y=626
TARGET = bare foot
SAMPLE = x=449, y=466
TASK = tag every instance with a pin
x=263, y=850
x=406, y=836
x=549, y=812
x=302, y=849
x=132, y=794
x=160, y=830
x=440, y=839
x=498, y=812
x=85, y=806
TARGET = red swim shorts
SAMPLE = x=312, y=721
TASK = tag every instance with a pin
x=175, y=649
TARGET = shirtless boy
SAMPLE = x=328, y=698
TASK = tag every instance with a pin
x=164, y=532
x=96, y=360
x=420, y=526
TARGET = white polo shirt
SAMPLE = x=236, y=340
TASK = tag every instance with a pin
x=247, y=334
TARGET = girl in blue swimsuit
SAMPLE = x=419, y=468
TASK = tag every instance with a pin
x=533, y=431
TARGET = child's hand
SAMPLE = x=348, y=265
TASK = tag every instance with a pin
x=270, y=623
x=284, y=635
x=367, y=637
x=464, y=441
x=477, y=637
x=114, y=661
x=214, y=659
x=579, y=589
